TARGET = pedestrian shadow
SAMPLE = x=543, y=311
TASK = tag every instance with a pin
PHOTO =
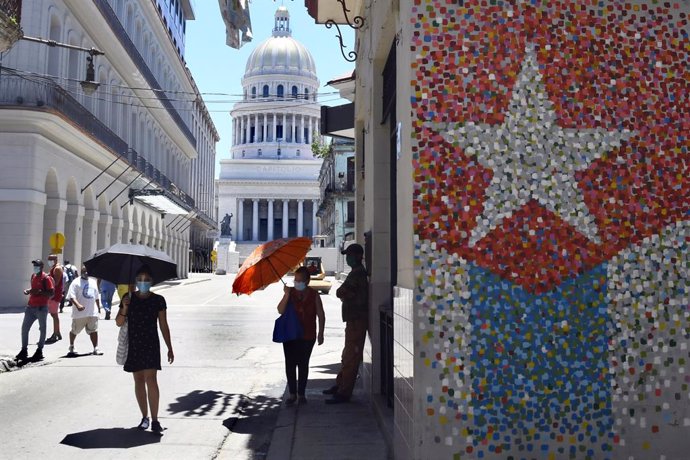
x=77, y=355
x=326, y=369
x=111, y=438
x=199, y=403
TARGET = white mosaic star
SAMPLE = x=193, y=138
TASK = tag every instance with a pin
x=533, y=158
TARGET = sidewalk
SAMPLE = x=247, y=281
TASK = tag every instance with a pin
x=318, y=430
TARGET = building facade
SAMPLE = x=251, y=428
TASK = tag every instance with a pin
x=269, y=185
x=524, y=197
x=106, y=165
x=336, y=211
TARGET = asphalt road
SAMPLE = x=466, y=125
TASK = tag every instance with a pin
x=219, y=399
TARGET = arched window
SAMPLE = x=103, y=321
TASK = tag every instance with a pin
x=281, y=91
x=294, y=92
x=54, y=53
x=265, y=91
x=253, y=92
x=306, y=93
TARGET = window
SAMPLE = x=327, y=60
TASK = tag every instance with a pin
x=265, y=91
x=281, y=91
x=253, y=92
x=298, y=152
x=294, y=92
x=306, y=93
x=259, y=152
x=350, y=212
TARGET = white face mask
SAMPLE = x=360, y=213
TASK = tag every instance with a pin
x=300, y=285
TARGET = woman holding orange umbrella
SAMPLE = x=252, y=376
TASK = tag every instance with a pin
x=308, y=306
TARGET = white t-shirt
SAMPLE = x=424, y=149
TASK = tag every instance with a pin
x=85, y=292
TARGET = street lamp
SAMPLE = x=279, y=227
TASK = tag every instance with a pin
x=90, y=85
x=280, y=139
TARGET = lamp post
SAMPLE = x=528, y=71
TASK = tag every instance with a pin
x=280, y=139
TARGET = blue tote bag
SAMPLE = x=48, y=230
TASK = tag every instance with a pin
x=287, y=326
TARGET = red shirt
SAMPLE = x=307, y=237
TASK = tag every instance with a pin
x=41, y=282
x=306, y=311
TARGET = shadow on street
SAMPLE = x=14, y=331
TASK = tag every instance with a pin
x=111, y=438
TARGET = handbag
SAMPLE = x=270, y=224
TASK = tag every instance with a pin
x=287, y=326
x=122, y=344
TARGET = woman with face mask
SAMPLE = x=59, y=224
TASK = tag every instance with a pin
x=143, y=311
x=308, y=306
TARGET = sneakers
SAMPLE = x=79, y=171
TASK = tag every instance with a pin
x=156, y=427
x=71, y=353
x=38, y=355
x=97, y=352
x=144, y=425
x=22, y=355
x=53, y=338
x=291, y=400
x=331, y=391
x=107, y=315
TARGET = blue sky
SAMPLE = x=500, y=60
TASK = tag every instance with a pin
x=217, y=68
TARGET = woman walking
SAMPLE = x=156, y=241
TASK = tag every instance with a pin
x=308, y=306
x=143, y=311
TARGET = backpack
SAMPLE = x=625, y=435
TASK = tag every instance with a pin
x=71, y=272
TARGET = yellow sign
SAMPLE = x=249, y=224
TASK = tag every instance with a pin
x=214, y=253
x=213, y=257
x=57, y=241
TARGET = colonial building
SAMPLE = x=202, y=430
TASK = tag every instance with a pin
x=269, y=184
x=337, y=206
x=106, y=158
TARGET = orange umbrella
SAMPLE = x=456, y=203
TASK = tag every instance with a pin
x=268, y=263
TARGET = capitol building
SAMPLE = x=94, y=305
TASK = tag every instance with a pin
x=269, y=185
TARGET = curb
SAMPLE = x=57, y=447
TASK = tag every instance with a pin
x=283, y=433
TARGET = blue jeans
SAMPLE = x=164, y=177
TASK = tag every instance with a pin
x=32, y=314
x=107, y=298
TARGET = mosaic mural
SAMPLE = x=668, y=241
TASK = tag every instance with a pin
x=550, y=147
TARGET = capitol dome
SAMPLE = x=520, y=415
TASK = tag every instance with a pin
x=281, y=54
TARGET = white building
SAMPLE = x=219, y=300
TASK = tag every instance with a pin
x=270, y=183
x=77, y=163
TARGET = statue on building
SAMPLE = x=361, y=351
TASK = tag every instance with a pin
x=225, y=229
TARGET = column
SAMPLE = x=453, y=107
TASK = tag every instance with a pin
x=301, y=130
x=275, y=124
x=300, y=217
x=270, y=219
x=116, y=231
x=255, y=219
x=105, y=236
x=239, y=233
x=89, y=233
x=284, y=127
x=263, y=138
x=285, y=218
x=293, y=129
x=256, y=127
x=241, y=131
x=314, y=207
x=247, y=122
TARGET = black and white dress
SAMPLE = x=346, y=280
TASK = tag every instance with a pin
x=144, y=345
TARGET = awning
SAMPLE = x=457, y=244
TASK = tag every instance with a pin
x=325, y=10
x=159, y=200
x=338, y=121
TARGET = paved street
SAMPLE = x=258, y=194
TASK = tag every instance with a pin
x=220, y=399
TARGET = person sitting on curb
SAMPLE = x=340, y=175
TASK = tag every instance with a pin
x=41, y=290
x=84, y=295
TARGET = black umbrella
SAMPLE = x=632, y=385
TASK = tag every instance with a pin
x=120, y=262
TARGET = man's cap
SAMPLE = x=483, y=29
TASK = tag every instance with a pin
x=353, y=250
x=37, y=262
x=52, y=256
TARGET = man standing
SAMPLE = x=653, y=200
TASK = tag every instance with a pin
x=40, y=292
x=72, y=273
x=107, y=291
x=354, y=294
x=84, y=295
x=55, y=301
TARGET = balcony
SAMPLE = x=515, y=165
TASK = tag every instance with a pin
x=122, y=35
x=35, y=93
x=10, y=23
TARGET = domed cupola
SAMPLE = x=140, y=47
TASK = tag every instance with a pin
x=281, y=54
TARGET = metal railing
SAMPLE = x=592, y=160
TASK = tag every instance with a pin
x=46, y=96
x=122, y=35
